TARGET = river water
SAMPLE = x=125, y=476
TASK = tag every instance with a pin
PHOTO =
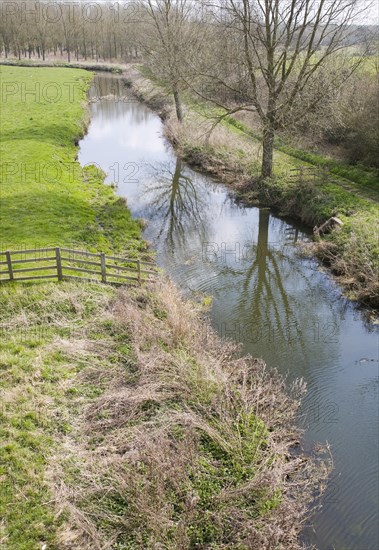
x=280, y=306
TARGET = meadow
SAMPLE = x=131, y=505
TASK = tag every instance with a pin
x=47, y=199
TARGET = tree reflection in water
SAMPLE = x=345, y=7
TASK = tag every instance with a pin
x=264, y=296
x=273, y=302
x=265, y=292
x=176, y=203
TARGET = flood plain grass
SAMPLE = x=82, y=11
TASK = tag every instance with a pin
x=47, y=199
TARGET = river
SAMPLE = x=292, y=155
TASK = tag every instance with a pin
x=280, y=306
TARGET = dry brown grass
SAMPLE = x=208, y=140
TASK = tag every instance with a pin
x=356, y=266
x=189, y=445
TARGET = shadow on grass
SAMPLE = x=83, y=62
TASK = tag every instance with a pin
x=54, y=134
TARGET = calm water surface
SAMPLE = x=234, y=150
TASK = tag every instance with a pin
x=281, y=307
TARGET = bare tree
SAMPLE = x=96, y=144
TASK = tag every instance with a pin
x=281, y=63
x=171, y=36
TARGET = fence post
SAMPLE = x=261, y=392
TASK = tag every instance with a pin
x=139, y=272
x=103, y=269
x=10, y=268
x=59, y=264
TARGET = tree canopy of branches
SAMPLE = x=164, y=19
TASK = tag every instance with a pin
x=97, y=30
x=174, y=32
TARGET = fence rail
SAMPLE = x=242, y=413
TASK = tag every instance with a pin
x=101, y=267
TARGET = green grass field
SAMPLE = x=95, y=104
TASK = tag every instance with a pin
x=46, y=199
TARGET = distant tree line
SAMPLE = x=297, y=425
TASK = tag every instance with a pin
x=74, y=30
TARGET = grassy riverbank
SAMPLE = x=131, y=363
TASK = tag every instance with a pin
x=125, y=422
x=46, y=198
x=125, y=419
x=298, y=189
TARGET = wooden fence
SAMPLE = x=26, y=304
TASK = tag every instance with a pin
x=67, y=264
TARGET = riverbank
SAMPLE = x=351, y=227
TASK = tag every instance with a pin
x=125, y=420
x=298, y=189
x=47, y=199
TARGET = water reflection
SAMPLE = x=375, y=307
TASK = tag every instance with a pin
x=264, y=296
x=105, y=86
x=246, y=259
x=173, y=198
x=109, y=110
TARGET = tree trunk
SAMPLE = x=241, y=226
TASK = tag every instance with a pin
x=178, y=106
x=268, y=150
